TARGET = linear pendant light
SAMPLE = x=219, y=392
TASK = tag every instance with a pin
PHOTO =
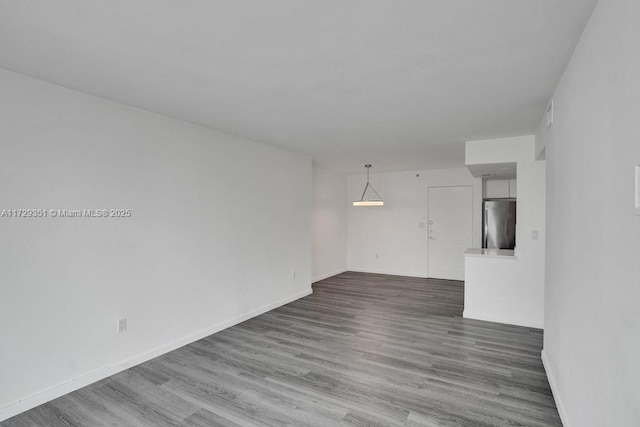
x=367, y=202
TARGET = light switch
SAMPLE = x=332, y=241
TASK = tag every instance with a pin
x=534, y=235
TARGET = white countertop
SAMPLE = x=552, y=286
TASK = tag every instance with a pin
x=491, y=253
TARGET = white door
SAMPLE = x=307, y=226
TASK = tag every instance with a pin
x=449, y=230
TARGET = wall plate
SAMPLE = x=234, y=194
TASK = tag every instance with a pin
x=550, y=114
x=637, y=189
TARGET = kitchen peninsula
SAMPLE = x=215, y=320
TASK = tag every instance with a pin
x=503, y=285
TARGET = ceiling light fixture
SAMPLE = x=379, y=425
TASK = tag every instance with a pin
x=367, y=202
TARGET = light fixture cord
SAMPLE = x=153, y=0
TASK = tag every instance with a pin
x=369, y=185
x=365, y=191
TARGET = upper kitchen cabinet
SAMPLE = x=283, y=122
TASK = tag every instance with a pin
x=500, y=189
x=513, y=188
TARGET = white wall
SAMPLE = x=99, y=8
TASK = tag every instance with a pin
x=218, y=226
x=329, y=223
x=511, y=291
x=592, y=307
x=393, y=231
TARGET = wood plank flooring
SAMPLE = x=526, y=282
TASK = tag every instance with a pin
x=364, y=349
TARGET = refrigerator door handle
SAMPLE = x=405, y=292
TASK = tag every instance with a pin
x=485, y=227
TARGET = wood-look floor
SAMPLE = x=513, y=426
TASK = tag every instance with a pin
x=364, y=349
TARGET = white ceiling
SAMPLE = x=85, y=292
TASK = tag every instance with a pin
x=400, y=84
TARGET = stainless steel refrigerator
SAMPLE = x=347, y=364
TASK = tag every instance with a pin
x=499, y=223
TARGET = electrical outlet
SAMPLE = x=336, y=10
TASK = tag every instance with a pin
x=377, y=256
x=293, y=274
x=121, y=326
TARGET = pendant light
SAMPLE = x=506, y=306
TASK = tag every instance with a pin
x=367, y=202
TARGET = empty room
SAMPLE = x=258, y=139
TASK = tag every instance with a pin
x=318, y=213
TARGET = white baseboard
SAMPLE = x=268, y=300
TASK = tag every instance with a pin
x=467, y=314
x=554, y=389
x=76, y=383
x=326, y=276
x=387, y=272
